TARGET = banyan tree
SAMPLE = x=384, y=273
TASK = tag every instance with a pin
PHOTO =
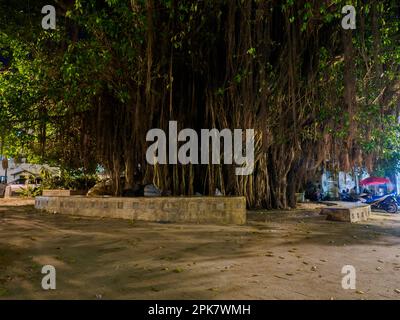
x=317, y=95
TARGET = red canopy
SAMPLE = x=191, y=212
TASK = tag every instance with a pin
x=374, y=181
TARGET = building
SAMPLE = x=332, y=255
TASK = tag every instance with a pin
x=5, y=175
x=26, y=171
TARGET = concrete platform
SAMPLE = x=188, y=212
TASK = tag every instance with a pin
x=347, y=211
x=220, y=210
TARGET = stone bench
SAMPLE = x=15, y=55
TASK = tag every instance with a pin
x=62, y=193
x=347, y=212
x=220, y=210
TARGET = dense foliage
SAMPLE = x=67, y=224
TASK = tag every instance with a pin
x=318, y=96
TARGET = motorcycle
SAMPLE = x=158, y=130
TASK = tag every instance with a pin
x=387, y=202
x=397, y=196
x=345, y=196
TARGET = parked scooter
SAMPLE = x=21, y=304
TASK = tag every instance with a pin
x=397, y=196
x=387, y=202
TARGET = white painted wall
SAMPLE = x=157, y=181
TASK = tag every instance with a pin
x=11, y=168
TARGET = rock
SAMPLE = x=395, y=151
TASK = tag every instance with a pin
x=151, y=190
x=166, y=193
x=397, y=290
x=314, y=268
x=102, y=188
x=136, y=191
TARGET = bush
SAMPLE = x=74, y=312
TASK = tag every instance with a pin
x=71, y=180
x=30, y=192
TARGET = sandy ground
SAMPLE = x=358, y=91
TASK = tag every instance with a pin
x=277, y=255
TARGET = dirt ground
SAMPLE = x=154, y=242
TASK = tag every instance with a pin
x=277, y=255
